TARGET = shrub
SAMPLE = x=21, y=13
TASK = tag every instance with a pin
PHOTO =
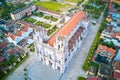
x=81, y=78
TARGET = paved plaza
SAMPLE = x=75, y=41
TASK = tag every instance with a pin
x=38, y=71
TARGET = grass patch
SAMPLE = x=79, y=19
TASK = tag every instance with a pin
x=51, y=5
x=25, y=58
x=47, y=25
x=47, y=17
x=30, y=20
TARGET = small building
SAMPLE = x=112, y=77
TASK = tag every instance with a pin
x=104, y=54
x=104, y=71
x=20, y=13
x=94, y=78
x=116, y=72
x=116, y=75
x=16, y=32
x=116, y=66
x=117, y=57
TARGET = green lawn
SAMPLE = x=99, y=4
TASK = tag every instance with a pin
x=54, y=6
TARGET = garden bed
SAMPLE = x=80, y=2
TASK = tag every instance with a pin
x=39, y=14
x=51, y=31
x=42, y=24
x=30, y=20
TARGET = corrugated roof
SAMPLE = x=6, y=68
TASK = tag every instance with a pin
x=68, y=27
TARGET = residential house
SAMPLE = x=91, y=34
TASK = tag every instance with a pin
x=93, y=78
x=104, y=54
x=105, y=71
x=15, y=32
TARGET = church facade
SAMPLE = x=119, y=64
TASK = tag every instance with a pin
x=61, y=47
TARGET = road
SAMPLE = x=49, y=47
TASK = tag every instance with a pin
x=18, y=74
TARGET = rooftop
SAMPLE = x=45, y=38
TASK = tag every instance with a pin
x=115, y=34
x=117, y=66
x=117, y=57
x=105, y=69
x=75, y=37
x=68, y=27
x=116, y=75
x=94, y=78
x=3, y=44
x=105, y=49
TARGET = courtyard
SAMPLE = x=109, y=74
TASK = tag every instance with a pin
x=48, y=22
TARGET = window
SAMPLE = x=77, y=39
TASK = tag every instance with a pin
x=65, y=59
x=58, y=46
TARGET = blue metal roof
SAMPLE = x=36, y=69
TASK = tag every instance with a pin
x=117, y=57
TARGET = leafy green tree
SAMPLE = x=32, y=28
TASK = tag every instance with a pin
x=81, y=78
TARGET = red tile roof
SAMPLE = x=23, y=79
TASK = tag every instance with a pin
x=104, y=48
x=116, y=75
x=3, y=44
x=19, y=33
x=26, y=29
x=1, y=59
x=11, y=51
x=94, y=78
x=68, y=27
x=110, y=7
x=115, y=34
x=12, y=35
